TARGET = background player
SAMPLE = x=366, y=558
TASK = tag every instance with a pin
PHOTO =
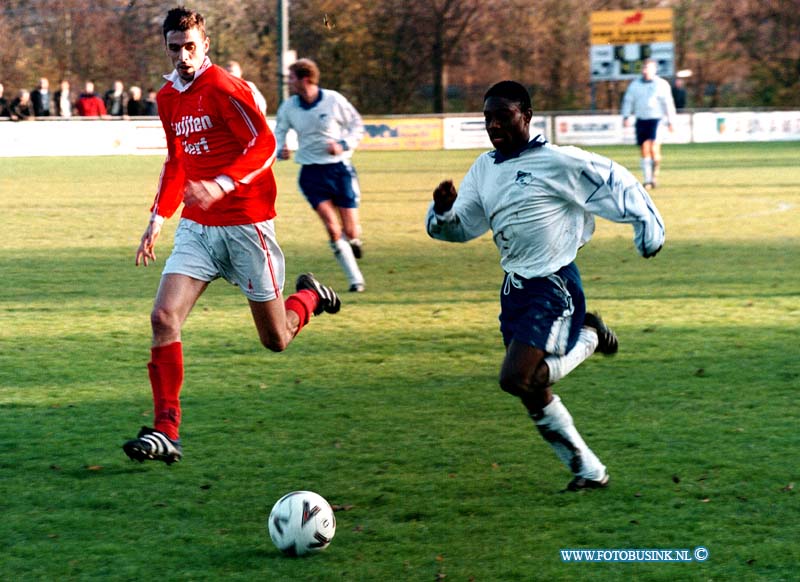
x=328, y=131
x=538, y=200
x=649, y=100
x=219, y=163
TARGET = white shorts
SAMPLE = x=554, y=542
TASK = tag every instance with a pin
x=246, y=255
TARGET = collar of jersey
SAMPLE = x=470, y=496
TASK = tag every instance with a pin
x=311, y=105
x=536, y=142
x=178, y=83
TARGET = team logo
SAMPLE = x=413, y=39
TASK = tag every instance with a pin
x=524, y=178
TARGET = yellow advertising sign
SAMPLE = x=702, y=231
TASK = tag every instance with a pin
x=402, y=134
x=618, y=27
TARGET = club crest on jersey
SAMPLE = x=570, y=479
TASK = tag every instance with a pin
x=190, y=124
x=524, y=178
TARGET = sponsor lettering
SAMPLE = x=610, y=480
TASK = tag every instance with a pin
x=190, y=124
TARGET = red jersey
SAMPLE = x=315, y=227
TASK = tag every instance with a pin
x=89, y=105
x=214, y=128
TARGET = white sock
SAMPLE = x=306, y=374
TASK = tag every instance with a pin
x=344, y=254
x=557, y=428
x=560, y=366
x=647, y=169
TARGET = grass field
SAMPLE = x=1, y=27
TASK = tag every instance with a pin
x=391, y=409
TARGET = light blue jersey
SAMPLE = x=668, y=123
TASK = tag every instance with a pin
x=330, y=117
x=540, y=206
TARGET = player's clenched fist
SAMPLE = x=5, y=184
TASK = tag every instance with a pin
x=444, y=197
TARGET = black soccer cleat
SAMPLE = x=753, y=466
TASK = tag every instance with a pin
x=357, y=288
x=608, y=343
x=153, y=445
x=580, y=483
x=329, y=301
x=355, y=244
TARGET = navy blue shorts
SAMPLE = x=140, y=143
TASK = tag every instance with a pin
x=335, y=182
x=545, y=312
x=646, y=130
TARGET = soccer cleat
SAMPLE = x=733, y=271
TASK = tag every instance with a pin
x=153, y=445
x=579, y=483
x=608, y=343
x=649, y=185
x=357, y=288
x=328, y=299
x=355, y=244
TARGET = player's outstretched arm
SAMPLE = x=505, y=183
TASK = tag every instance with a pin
x=146, y=251
x=444, y=196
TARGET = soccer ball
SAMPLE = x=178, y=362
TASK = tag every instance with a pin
x=301, y=522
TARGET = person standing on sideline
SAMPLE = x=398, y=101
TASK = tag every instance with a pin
x=328, y=131
x=539, y=200
x=235, y=69
x=89, y=103
x=21, y=108
x=41, y=98
x=116, y=100
x=649, y=99
x=135, y=104
x=4, y=106
x=63, y=100
x=220, y=153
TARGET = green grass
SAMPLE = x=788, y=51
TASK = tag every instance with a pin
x=392, y=407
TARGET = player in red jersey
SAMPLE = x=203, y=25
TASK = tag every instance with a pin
x=219, y=164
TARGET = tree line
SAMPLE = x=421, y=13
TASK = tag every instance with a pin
x=413, y=56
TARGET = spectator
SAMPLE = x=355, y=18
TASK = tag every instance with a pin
x=21, y=107
x=4, y=111
x=116, y=100
x=679, y=93
x=89, y=103
x=235, y=69
x=135, y=103
x=62, y=100
x=150, y=105
x=40, y=98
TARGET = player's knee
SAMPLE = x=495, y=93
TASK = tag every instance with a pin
x=541, y=377
x=520, y=385
x=163, y=321
x=274, y=343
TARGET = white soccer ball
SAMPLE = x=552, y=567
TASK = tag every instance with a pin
x=301, y=522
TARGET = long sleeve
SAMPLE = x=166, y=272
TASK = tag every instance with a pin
x=612, y=192
x=465, y=221
x=170, y=184
x=282, y=125
x=352, y=125
x=245, y=121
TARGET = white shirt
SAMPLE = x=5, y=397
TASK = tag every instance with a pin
x=331, y=117
x=649, y=100
x=539, y=206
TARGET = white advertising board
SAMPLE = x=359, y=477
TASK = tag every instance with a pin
x=609, y=130
x=470, y=132
x=746, y=126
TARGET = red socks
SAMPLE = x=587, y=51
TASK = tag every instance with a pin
x=303, y=303
x=166, y=368
x=166, y=378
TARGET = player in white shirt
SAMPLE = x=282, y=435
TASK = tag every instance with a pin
x=328, y=130
x=649, y=100
x=539, y=200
